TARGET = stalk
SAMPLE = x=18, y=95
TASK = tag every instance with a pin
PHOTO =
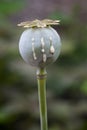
x=41, y=79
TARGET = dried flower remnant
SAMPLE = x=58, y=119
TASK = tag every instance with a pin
x=39, y=23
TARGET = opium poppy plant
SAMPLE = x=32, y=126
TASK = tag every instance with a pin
x=40, y=46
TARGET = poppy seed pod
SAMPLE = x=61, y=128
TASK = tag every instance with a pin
x=39, y=45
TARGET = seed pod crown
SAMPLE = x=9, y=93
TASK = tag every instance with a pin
x=39, y=44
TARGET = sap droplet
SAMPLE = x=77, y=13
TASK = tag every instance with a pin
x=44, y=57
x=52, y=49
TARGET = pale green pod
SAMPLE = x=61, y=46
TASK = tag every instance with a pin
x=40, y=46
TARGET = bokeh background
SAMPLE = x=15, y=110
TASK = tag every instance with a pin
x=67, y=77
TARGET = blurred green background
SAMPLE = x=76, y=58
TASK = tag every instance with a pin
x=67, y=77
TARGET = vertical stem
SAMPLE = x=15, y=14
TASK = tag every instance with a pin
x=41, y=78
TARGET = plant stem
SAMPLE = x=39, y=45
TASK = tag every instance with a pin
x=41, y=78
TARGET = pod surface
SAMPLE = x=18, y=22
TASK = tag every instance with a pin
x=40, y=46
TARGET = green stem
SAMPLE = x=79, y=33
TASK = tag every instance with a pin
x=41, y=78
